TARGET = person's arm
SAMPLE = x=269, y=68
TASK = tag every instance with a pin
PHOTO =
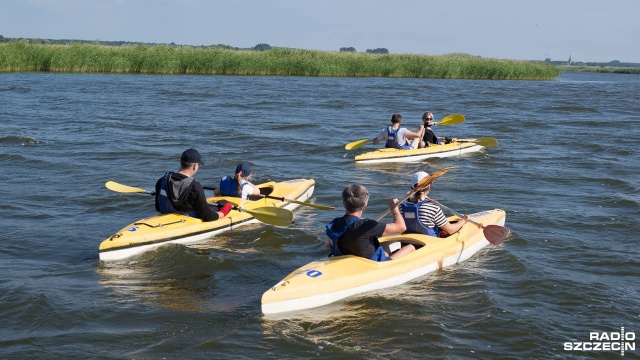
x=204, y=209
x=441, y=221
x=249, y=189
x=455, y=227
x=381, y=136
x=413, y=134
x=397, y=226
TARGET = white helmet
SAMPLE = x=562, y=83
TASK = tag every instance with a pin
x=417, y=177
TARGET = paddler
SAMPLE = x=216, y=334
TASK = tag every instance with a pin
x=428, y=137
x=239, y=184
x=395, y=135
x=352, y=234
x=180, y=193
x=423, y=216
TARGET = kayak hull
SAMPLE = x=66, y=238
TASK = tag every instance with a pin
x=152, y=232
x=328, y=280
x=385, y=155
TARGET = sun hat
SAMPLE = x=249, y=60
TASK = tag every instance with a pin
x=417, y=177
x=191, y=156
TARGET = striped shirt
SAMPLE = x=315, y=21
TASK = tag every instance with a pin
x=430, y=215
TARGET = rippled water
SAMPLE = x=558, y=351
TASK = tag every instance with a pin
x=565, y=172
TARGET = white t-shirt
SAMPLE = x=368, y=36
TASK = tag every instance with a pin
x=246, y=190
x=401, y=135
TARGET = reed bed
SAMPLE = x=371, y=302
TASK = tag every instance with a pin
x=164, y=59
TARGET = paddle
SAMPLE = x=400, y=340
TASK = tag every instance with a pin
x=269, y=214
x=321, y=207
x=447, y=120
x=495, y=234
x=483, y=141
x=419, y=187
x=114, y=186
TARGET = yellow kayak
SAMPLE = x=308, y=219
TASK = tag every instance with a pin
x=328, y=280
x=152, y=232
x=401, y=155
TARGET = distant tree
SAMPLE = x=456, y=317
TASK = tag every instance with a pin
x=262, y=47
x=1, y=38
x=347, y=49
x=614, y=63
x=378, y=51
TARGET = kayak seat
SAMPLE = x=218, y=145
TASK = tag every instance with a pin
x=392, y=246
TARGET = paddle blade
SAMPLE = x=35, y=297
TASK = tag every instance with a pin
x=271, y=215
x=495, y=234
x=114, y=186
x=487, y=142
x=357, y=144
x=451, y=119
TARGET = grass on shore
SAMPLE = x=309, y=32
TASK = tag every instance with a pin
x=19, y=56
x=602, y=69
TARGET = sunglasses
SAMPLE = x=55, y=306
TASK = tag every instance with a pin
x=428, y=119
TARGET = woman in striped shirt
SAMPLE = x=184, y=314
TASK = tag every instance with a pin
x=423, y=216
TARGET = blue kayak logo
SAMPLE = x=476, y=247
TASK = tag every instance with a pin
x=133, y=229
x=310, y=273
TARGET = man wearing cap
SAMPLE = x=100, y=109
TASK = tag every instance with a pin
x=423, y=216
x=239, y=185
x=180, y=193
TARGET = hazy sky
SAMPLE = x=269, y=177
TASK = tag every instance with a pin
x=588, y=30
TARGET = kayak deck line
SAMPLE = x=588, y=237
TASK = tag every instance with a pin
x=160, y=225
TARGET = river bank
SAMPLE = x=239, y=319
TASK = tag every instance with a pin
x=21, y=56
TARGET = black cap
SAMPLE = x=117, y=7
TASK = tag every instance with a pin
x=191, y=156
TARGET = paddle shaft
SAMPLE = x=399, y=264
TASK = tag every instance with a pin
x=495, y=234
x=458, y=214
x=270, y=215
x=400, y=202
x=321, y=207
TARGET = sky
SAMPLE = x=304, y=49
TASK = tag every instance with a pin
x=586, y=30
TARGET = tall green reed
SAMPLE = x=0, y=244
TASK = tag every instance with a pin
x=165, y=59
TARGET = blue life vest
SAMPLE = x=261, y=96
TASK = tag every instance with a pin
x=229, y=187
x=334, y=235
x=392, y=139
x=412, y=219
x=166, y=206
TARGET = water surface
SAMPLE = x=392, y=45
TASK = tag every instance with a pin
x=565, y=172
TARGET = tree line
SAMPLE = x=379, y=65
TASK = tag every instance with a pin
x=258, y=47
